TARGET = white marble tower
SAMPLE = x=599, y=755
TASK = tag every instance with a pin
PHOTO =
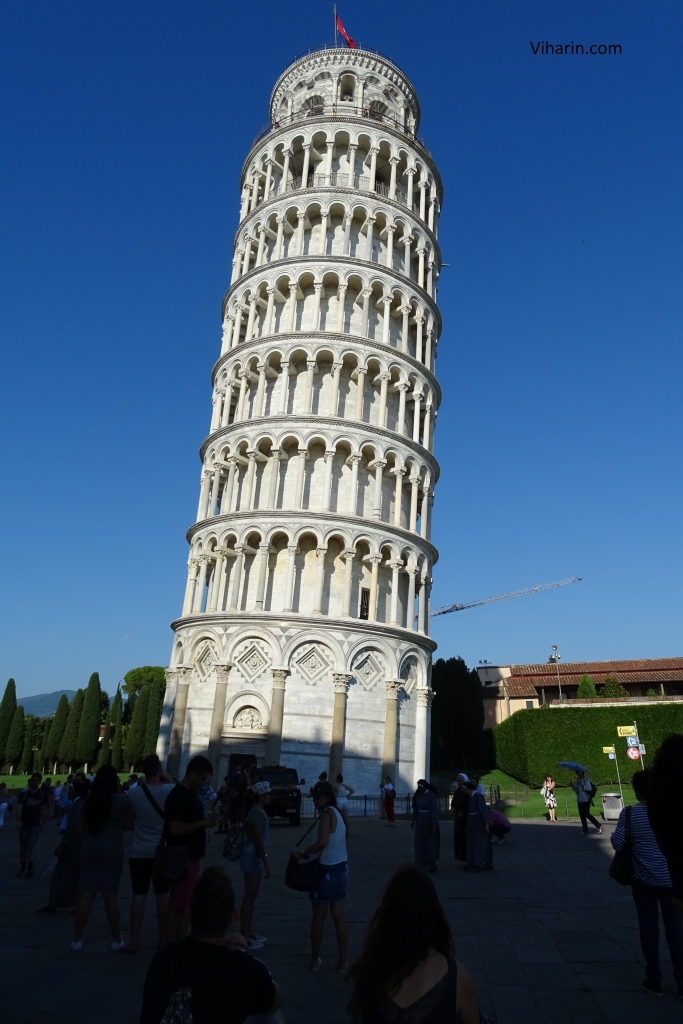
x=303, y=638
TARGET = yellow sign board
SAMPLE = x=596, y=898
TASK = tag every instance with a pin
x=608, y=750
x=626, y=730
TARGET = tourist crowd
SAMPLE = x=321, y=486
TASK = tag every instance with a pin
x=407, y=961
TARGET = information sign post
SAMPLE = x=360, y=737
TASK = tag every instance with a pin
x=612, y=754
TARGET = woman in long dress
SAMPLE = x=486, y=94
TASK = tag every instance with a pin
x=548, y=794
x=425, y=824
x=105, y=815
x=460, y=805
x=479, y=848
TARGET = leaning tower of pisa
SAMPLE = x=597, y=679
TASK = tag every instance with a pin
x=304, y=633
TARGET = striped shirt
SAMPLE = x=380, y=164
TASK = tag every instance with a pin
x=649, y=863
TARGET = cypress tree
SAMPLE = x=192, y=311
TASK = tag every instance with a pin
x=117, y=745
x=153, y=719
x=57, y=728
x=8, y=706
x=45, y=746
x=26, y=764
x=109, y=720
x=15, y=740
x=135, y=740
x=67, y=748
x=586, y=688
x=89, y=724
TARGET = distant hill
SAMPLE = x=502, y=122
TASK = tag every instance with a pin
x=42, y=705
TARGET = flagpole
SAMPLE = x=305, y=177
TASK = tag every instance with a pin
x=335, y=25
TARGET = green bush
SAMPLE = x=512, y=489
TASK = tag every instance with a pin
x=529, y=744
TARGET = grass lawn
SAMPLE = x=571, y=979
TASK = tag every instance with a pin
x=520, y=801
x=19, y=782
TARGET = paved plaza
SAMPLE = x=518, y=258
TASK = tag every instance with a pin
x=547, y=935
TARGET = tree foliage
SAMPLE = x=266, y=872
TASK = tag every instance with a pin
x=104, y=755
x=69, y=745
x=135, y=739
x=15, y=741
x=26, y=763
x=529, y=744
x=117, y=718
x=586, y=688
x=44, y=755
x=613, y=688
x=8, y=706
x=153, y=719
x=57, y=728
x=89, y=723
x=136, y=678
x=457, y=716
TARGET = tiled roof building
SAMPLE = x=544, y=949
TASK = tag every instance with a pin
x=507, y=688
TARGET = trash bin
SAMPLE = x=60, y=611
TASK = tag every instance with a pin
x=612, y=806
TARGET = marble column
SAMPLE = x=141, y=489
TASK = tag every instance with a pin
x=175, y=747
x=341, y=682
x=349, y=556
x=277, y=708
x=393, y=688
x=424, y=697
x=264, y=550
x=289, y=584
x=217, y=716
x=319, y=581
x=374, y=587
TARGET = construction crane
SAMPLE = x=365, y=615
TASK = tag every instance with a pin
x=504, y=597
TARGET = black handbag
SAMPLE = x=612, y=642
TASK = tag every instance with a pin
x=621, y=868
x=302, y=875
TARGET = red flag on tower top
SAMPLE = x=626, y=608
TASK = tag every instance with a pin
x=349, y=41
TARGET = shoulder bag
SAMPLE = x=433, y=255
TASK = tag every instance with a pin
x=302, y=875
x=170, y=863
x=621, y=868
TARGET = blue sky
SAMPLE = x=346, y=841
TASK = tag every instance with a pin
x=124, y=128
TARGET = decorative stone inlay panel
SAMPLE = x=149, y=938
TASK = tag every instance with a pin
x=248, y=718
x=205, y=658
x=312, y=661
x=253, y=660
x=368, y=668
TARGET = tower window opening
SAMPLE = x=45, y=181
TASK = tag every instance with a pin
x=364, y=604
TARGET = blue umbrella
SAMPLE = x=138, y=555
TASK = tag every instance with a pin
x=572, y=766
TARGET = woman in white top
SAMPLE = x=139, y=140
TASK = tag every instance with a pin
x=333, y=873
x=342, y=792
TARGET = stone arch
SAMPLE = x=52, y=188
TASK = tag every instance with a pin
x=247, y=699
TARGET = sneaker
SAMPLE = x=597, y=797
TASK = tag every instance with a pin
x=116, y=946
x=255, y=944
x=21, y=871
x=653, y=987
x=47, y=909
x=30, y=873
x=76, y=947
x=258, y=938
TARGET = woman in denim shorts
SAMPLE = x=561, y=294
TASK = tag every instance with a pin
x=254, y=860
x=333, y=874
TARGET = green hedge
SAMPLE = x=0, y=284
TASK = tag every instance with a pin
x=529, y=744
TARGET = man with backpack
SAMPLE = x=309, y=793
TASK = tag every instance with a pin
x=585, y=791
x=147, y=800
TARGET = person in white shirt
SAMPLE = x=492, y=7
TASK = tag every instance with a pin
x=147, y=802
x=583, y=787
